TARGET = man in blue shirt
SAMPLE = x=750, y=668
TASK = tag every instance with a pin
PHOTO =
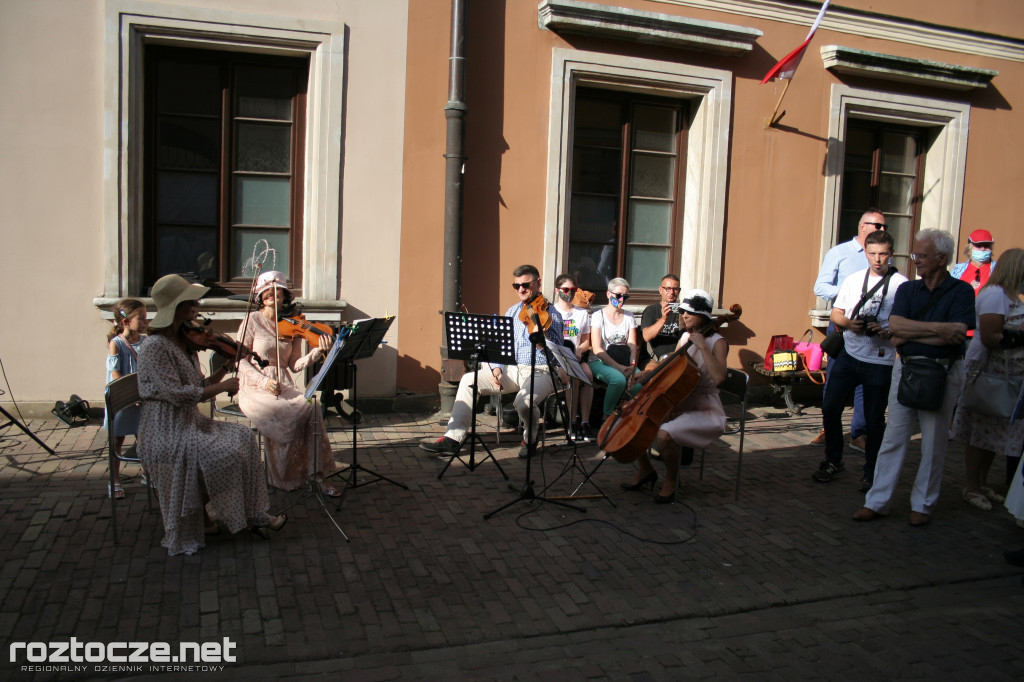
x=840, y=262
x=930, y=318
x=493, y=378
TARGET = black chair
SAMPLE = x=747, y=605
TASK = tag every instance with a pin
x=735, y=384
x=122, y=394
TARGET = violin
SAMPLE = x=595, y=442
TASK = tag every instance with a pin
x=197, y=337
x=290, y=326
x=632, y=427
x=534, y=314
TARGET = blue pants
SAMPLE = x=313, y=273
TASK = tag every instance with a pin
x=858, y=426
x=849, y=373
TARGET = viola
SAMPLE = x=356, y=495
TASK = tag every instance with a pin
x=197, y=337
x=290, y=326
x=633, y=426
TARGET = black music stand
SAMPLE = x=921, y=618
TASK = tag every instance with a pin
x=11, y=421
x=478, y=338
x=527, y=492
x=565, y=358
x=362, y=341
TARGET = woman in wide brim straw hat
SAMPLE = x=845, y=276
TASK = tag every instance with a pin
x=193, y=460
x=297, y=446
x=700, y=419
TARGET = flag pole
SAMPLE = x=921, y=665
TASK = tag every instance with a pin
x=772, y=120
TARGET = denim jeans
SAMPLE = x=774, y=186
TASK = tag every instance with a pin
x=857, y=425
x=849, y=373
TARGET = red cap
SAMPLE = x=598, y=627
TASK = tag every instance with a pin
x=981, y=237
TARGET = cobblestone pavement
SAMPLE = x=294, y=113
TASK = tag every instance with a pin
x=780, y=584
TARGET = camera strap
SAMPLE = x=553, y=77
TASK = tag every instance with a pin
x=866, y=295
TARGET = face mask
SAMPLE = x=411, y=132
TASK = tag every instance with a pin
x=981, y=256
x=616, y=302
x=565, y=297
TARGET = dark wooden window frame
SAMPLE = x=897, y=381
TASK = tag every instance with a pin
x=878, y=129
x=227, y=61
x=630, y=100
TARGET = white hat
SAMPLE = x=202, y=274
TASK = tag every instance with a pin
x=268, y=279
x=698, y=302
x=168, y=292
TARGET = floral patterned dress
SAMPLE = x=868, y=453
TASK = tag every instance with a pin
x=291, y=426
x=185, y=452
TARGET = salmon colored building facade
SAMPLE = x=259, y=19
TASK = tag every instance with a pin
x=600, y=138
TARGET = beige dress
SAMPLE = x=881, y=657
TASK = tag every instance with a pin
x=183, y=451
x=289, y=423
x=699, y=420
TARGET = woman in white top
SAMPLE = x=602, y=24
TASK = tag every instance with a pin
x=997, y=346
x=699, y=420
x=613, y=344
x=576, y=333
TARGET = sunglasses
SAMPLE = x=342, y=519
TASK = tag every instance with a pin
x=568, y=290
x=878, y=226
x=621, y=297
x=522, y=285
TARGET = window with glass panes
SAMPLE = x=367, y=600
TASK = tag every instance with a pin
x=223, y=159
x=883, y=168
x=626, y=191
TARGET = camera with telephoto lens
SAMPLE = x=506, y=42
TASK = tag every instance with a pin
x=868, y=319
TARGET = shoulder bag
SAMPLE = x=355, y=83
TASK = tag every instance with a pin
x=923, y=380
x=990, y=393
x=834, y=343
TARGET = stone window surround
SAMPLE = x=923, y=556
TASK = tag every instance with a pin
x=710, y=94
x=947, y=125
x=131, y=24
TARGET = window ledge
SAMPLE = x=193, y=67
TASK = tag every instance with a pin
x=590, y=19
x=319, y=311
x=847, y=60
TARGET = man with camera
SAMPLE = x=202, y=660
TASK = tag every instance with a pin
x=862, y=309
x=929, y=322
x=840, y=262
x=659, y=323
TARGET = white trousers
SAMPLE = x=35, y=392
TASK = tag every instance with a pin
x=514, y=378
x=934, y=439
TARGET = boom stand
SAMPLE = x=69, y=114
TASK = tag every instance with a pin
x=363, y=339
x=526, y=492
x=477, y=338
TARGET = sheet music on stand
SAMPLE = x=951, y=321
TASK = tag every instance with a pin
x=565, y=357
x=359, y=340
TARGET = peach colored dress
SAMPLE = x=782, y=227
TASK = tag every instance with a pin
x=290, y=425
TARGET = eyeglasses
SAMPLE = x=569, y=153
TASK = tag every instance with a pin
x=878, y=226
x=917, y=257
x=675, y=289
x=568, y=290
x=522, y=285
x=621, y=297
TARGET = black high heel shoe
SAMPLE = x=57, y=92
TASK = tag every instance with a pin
x=665, y=499
x=647, y=481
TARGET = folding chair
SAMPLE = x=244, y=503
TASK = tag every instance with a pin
x=735, y=384
x=120, y=395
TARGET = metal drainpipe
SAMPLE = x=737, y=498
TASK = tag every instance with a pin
x=455, y=114
x=455, y=157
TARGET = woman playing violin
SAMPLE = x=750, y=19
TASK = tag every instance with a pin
x=193, y=460
x=270, y=399
x=700, y=419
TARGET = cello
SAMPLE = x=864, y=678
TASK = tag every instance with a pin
x=633, y=426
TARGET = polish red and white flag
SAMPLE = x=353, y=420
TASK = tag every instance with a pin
x=786, y=66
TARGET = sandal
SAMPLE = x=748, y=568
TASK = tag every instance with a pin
x=211, y=529
x=275, y=524
x=117, y=492
x=977, y=500
x=993, y=496
x=330, y=491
